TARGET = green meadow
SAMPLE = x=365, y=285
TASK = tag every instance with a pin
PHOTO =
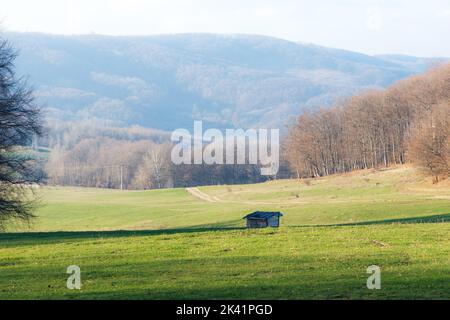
x=173, y=244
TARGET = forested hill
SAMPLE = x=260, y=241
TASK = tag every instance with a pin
x=165, y=82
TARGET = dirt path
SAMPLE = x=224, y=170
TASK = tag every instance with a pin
x=202, y=196
x=207, y=198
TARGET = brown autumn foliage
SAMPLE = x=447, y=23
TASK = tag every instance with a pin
x=407, y=122
x=430, y=142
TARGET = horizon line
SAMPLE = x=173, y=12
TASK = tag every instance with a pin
x=298, y=42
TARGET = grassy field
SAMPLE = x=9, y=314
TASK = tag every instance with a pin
x=169, y=244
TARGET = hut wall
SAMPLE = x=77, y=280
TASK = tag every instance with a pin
x=257, y=223
x=274, y=222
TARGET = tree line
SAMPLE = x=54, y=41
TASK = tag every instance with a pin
x=408, y=122
x=96, y=155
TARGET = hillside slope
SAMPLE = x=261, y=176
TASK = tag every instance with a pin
x=166, y=82
x=368, y=197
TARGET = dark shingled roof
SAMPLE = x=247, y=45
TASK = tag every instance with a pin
x=262, y=215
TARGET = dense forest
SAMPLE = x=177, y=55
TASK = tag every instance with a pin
x=408, y=122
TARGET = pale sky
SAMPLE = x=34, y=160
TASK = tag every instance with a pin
x=415, y=27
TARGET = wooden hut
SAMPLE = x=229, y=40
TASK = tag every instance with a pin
x=260, y=219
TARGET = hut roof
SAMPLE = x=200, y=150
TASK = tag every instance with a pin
x=262, y=215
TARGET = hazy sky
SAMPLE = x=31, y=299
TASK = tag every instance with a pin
x=416, y=27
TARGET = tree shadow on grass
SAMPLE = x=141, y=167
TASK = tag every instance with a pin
x=439, y=218
x=56, y=236
x=27, y=238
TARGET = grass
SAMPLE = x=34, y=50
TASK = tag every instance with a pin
x=167, y=244
x=366, y=196
x=288, y=263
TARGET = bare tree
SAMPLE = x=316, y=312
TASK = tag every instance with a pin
x=153, y=171
x=430, y=143
x=19, y=123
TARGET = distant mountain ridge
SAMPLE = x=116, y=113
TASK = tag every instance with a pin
x=168, y=81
